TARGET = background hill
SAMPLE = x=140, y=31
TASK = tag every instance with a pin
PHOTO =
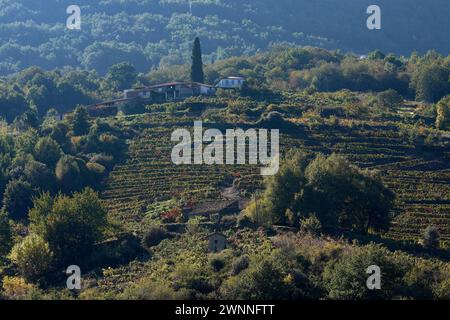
x=152, y=33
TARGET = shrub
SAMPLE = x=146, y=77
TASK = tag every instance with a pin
x=149, y=289
x=103, y=159
x=191, y=275
x=172, y=215
x=109, y=144
x=243, y=221
x=389, y=99
x=263, y=280
x=96, y=172
x=239, y=264
x=70, y=173
x=47, y=151
x=32, y=257
x=153, y=237
x=95, y=168
x=194, y=226
x=135, y=106
x=117, y=251
x=425, y=279
x=442, y=290
x=273, y=120
x=311, y=225
x=346, y=277
x=229, y=221
x=217, y=263
x=39, y=175
x=15, y=288
x=431, y=237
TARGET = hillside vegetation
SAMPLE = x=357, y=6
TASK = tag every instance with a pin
x=154, y=33
x=418, y=77
x=364, y=179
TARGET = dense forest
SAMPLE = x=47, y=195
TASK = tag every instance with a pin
x=156, y=33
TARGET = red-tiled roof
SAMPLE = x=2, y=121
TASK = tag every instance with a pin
x=166, y=84
x=174, y=83
x=106, y=102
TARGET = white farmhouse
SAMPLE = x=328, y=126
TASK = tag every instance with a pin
x=231, y=82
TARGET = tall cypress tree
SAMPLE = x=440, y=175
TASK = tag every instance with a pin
x=197, y=74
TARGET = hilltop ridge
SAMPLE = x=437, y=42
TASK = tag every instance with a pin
x=151, y=33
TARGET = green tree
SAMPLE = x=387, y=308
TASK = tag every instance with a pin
x=3, y=181
x=70, y=173
x=392, y=59
x=33, y=257
x=431, y=81
x=70, y=225
x=47, y=151
x=80, y=123
x=12, y=103
x=197, y=74
x=59, y=133
x=17, y=199
x=343, y=196
x=280, y=192
x=389, y=99
x=443, y=113
x=26, y=120
x=337, y=193
x=153, y=237
x=39, y=175
x=327, y=77
x=122, y=76
x=345, y=278
x=5, y=234
x=431, y=237
x=263, y=280
x=376, y=55
x=26, y=141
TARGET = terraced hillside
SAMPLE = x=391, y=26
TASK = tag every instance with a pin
x=419, y=175
x=149, y=176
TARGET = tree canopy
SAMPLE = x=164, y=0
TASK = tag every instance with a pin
x=340, y=195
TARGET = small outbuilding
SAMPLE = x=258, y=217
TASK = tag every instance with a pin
x=216, y=242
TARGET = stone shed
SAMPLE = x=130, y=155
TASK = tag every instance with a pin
x=216, y=242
